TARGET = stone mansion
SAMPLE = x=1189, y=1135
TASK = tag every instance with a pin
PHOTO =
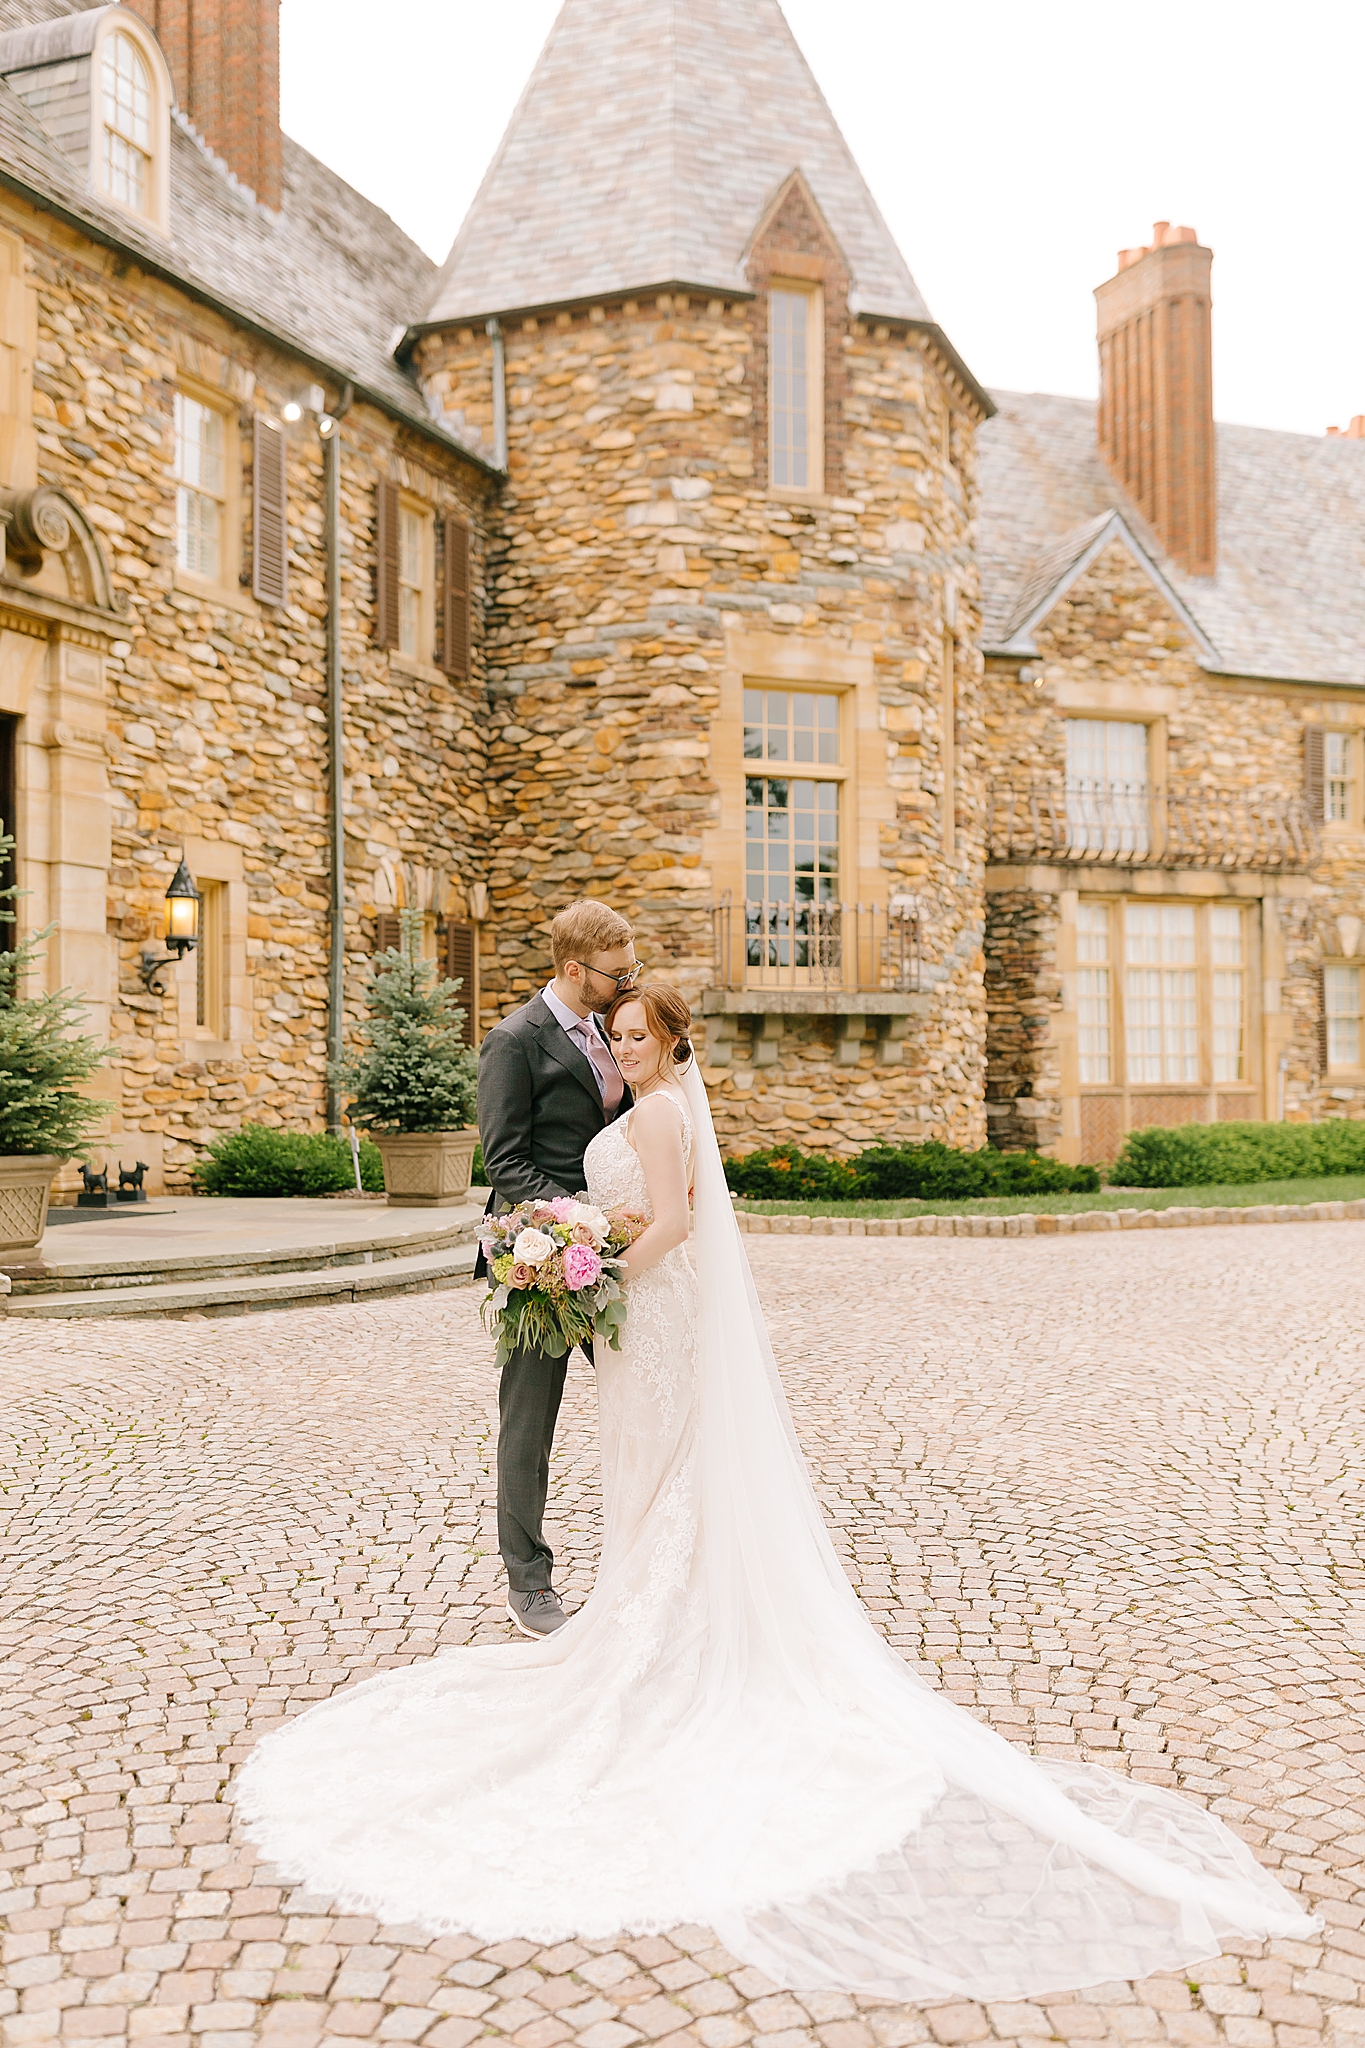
x=979, y=765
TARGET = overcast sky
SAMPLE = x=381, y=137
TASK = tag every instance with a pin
x=1014, y=146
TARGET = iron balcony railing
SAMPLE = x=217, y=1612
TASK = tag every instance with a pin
x=1112, y=824
x=853, y=947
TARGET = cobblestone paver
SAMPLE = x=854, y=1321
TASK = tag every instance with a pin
x=1105, y=1490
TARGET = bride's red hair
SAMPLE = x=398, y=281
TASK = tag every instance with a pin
x=667, y=1014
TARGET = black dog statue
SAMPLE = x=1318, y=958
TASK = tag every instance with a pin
x=130, y=1188
x=95, y=1194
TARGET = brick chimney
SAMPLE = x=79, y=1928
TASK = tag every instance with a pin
x=1156, y=390
x=224, y=57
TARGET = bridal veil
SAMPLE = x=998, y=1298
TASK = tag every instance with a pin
x=722, y=1736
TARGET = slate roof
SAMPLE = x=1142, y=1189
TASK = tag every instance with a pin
x=330, y=275
x=1288, y=599
x=649, y=140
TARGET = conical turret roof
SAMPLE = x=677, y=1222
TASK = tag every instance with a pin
x=649, y=140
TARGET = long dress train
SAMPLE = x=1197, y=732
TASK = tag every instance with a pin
x=721, y=1736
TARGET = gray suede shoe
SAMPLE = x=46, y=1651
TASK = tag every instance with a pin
x=537, y=1613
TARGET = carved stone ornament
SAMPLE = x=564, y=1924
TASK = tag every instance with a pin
x=37, y=524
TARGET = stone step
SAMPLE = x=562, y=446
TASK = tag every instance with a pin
x=237, y=1293
x=39, y=1276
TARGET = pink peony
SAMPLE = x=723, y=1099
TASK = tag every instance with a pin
x=563, y=1207
x=582, y=1267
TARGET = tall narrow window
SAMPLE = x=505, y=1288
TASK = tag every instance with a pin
x=1094, y=1004
x=795, y=388
x=210, y=1010
x=791, y=825
x=127, y=87
x=1338, y=748
x=1107, y=800
x=1341, y=987
x=1161, y=1000
x=1229, y=994
x=199, y=488
x=413, y=582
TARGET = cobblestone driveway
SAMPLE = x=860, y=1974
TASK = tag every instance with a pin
x=1105, y=1490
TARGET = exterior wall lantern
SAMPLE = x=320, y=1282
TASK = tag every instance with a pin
x=180, y=930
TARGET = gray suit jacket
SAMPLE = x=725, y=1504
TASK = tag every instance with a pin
x=539, y=1107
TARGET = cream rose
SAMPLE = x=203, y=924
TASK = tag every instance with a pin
x=533, y=1247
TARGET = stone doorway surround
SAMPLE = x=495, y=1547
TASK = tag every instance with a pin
x=58, y=622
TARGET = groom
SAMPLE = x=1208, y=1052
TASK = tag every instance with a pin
x=547, y=1085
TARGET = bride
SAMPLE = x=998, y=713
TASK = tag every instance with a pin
x=720, y=1735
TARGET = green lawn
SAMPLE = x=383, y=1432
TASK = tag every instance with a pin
x=1341, y=1187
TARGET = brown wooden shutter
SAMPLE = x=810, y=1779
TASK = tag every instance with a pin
x=455, y=599
x=457, y=964
x=269, y=514
x=1314, y=771
x=1322, y=1017
x=388, y=931
x=387, y=517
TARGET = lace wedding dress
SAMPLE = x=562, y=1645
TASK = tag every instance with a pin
x=721, y=1736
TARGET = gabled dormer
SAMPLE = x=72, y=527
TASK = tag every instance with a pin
x=99, y=84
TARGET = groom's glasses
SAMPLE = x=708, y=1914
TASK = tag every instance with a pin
x=628, y=980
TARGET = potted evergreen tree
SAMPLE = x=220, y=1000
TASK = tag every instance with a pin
x=414, y=1086
x=44, y=1117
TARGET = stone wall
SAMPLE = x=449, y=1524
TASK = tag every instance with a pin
x=215, y=704
x=1023, y=999
x=640, y=546
x=1113, y=646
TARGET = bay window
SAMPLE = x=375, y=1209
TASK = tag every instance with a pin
x=1161, y=994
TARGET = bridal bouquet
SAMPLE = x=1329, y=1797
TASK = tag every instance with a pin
x=555, y=1268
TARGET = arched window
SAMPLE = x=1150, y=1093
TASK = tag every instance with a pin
x=128, y=107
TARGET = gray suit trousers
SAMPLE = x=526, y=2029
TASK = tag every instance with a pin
x=528, y=1405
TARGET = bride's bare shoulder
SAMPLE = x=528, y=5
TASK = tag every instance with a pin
x=659, y=1116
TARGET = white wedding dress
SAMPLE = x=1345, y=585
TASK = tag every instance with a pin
x=721, y=1736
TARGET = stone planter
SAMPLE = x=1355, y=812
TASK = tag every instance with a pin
x=426, y=1169
x=25, y=1183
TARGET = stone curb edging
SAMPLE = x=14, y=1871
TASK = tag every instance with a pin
x=1029, y=1225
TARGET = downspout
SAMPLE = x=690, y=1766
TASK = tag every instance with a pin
x=494, y=331
x=336, y=959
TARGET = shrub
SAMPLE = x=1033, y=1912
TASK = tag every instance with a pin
x=937, y=1173
x=1237, y=1155
x=259, y=1161
x=784, y=1173
x=43, y=1059
x=929, y=1173
x=416, y=1073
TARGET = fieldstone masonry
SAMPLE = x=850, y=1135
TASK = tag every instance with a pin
x=638, y=541
x=1113, y=646
x=215, y=727
x=631, y=571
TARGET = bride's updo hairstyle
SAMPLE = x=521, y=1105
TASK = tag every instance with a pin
x=666, y=1012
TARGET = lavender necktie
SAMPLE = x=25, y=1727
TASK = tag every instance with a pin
x=613, y=1087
